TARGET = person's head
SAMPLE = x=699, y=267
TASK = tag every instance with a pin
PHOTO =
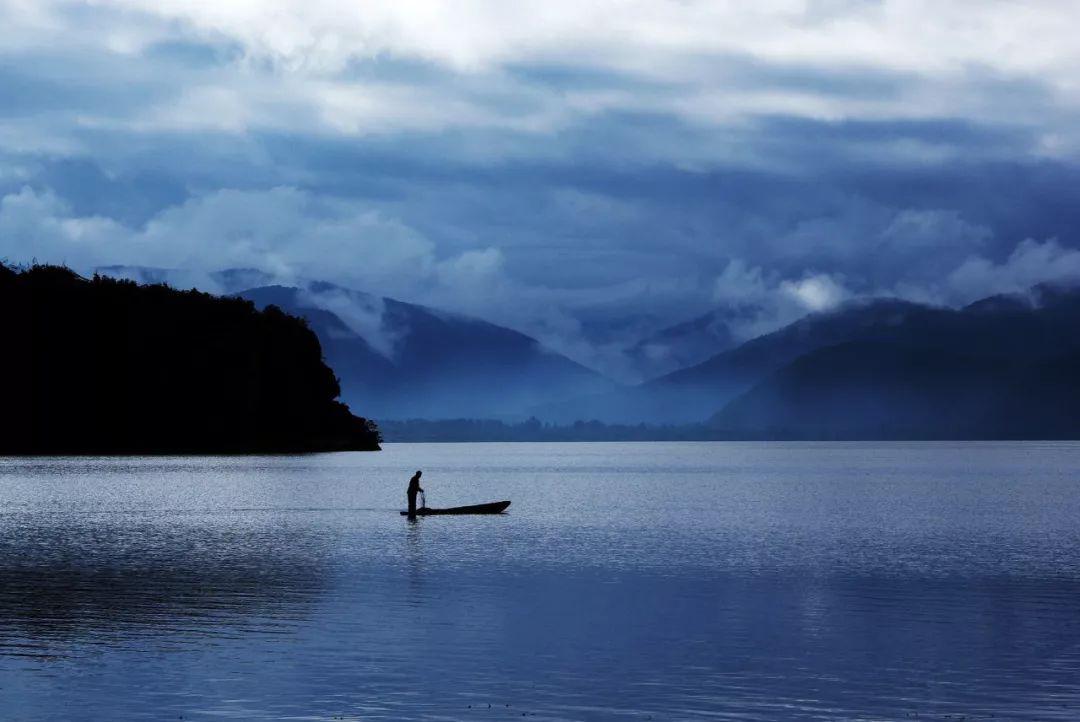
x=419, y=473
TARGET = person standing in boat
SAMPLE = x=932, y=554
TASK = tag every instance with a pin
x=414, y=489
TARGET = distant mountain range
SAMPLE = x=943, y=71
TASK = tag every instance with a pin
x=1004, y=367
x=875, y=390
x=784, y=381
x=695, y=393
x=682, y=345
x=400, y=360
x=878, y=368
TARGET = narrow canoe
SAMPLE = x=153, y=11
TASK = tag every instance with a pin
x=495, y=507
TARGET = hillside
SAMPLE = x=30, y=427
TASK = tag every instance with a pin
x=695, y=393
x=401, y=360
x=105, y=366
x=1037, y=326
x=682, y=345
x=874, y=390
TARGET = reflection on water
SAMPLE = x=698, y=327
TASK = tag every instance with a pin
x=629, y=581
x=66, y=582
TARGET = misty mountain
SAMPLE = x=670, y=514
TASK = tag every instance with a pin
x=401, y=360
x=694, y=394
x=874, y=390
x=1030, y=328
x=229, y=280
x=682, y=345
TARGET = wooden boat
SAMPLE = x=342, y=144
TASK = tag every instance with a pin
x=495, y=507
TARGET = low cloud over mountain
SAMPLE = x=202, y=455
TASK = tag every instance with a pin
x=583, y=175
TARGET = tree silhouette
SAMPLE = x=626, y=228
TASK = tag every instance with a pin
x=108, y=366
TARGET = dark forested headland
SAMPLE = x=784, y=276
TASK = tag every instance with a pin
x=102, y=366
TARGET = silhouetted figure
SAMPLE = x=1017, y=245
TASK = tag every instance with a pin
x=414, y=488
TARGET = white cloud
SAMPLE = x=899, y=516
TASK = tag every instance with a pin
x=223, y=76
x=740, y=285
x=474, y=276
x=364, y=314
x=1030, y=263
x=775, y=301
x=285, y=232
x=646, y=35
x=921, y=230
x=762, y=301
x=293, y=57
x=39, y=226
x=294, y=237
x=815, y=292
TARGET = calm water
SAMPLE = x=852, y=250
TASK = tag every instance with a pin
x=628, y=581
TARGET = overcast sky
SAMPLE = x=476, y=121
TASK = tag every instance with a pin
x=558, y=166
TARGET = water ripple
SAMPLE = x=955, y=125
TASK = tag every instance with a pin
x=629, y=581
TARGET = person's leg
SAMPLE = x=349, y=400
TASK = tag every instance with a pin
x=412, y=503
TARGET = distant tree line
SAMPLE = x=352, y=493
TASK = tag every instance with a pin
x=108, y=366
x=478, y=430
x=448, y=430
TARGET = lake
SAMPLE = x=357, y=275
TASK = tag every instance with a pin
x=749, y=581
